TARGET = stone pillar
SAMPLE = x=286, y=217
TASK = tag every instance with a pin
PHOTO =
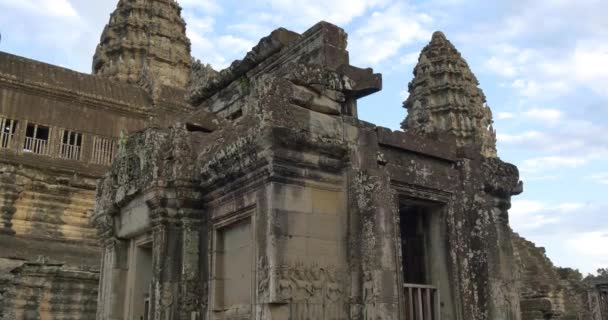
x=19, y=137
x=167, y=258
x=113, y=278
x=193, y=298
x=177, y=288
x=501, y=182
x=376, y=282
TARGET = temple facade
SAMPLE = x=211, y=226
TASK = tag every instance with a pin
x=290, y=207
x=159, y=188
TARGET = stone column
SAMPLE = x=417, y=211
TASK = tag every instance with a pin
x=501, y=182
x=376, y=283
x=193, y=297
x=177, y=289
x=167, y=258
x=113, y=278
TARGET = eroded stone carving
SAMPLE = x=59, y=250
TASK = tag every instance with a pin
x=145, y=43
x=275, y=134
x=444, y=97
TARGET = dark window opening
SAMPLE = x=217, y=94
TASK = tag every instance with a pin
x=72, y=138
x=7, y=131
x=71, y=143
x=37, y=139
x=37, y=132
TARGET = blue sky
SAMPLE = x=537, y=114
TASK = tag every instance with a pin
x=542, y=64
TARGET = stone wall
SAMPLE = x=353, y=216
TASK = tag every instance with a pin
x=47, y=195
x=548, y=292
x=39, y=290
x=47, y=205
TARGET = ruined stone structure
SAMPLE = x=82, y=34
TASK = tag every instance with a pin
x=597, y=298
x=549, y=292
x=59, y=131
x=292, y=208
x=256, y=192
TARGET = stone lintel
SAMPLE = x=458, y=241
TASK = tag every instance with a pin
x=439, y=148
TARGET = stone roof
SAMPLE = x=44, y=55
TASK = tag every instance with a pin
x=20, y=71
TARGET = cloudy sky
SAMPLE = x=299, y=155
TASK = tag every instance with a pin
x=543, y=65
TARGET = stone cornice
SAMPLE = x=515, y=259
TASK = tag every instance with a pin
x=46, y=163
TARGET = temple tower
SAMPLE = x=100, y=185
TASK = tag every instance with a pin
x=145, y=43
x=445, y=97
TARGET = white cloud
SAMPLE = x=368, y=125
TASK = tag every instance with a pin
x=502, y=67
x=198, y=24
x=55, y=8
x=205, y=6
x=600, y=177
x=410, y=59
x=385, y=32
x=532, y=214
x=237, y=44
x=548, y=163
x=573, y=232
x=545, y=115
x=587, y=65
x=525, y=214
x=526, y=207
x=505, y=115
x=212, y=48
x=590, y=244
x=540, y=87
x=339, y=12
x=520, y=138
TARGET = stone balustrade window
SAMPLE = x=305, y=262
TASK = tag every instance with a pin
x=37, y=139
x=104, y=150
x=8, y=128
x=71, y=145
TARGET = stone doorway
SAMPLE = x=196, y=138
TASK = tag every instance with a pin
x=423, y=259
x=140, y=279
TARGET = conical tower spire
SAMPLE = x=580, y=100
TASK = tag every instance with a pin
x=145, y=43
x=445, y=97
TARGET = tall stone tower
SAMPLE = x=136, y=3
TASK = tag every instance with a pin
x=145, y=43
x=445, y=97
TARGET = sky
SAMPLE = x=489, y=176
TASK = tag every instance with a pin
x=542, y=64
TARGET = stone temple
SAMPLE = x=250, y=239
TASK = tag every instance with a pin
x=158, y=188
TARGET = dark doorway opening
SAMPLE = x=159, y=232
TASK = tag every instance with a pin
x=424, y=263
x=414, y=226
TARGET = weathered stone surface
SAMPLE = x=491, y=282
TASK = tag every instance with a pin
x=549, y=292
x=255, y=192
x=444, y=97
x=37, y=290
x=320, y=194
x=145, y=43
